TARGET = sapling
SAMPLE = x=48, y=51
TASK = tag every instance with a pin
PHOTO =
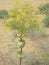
x=23, y=19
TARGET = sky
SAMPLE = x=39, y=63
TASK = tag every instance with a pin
x=7, y=4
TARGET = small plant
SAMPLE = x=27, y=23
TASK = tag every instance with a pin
x=46, y=21
x=3, y=14
x=44, y=9
x=23, y=18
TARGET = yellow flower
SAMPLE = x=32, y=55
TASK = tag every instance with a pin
x=27, y=25
x=33, y=19
x=40, y=26
x=10, y=20
x=18, y=18
x=5, y=26
x=11, y=13
x=23, y=13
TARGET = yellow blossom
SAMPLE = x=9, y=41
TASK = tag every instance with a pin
x=23, y=13
x=40, y=26
x=33, y=19
x=11, y=13
x=18, y=18
x=10, y=20
x=27, y=25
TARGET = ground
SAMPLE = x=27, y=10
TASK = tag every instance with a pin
x=36, y=50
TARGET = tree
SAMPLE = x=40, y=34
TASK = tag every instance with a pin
x=23, y=19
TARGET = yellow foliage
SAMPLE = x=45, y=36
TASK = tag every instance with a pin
x=27, y=25
x=24, y=13
x=33, y=19
x=11, y=13
x=40, y=26
x=10, y=20
x=18, y=18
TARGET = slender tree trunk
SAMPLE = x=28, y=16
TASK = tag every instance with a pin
x=20, y=58
x=21, y=48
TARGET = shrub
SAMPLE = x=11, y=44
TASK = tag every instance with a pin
x=23, y=18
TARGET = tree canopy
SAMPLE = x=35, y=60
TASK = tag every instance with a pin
x=24, y=18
